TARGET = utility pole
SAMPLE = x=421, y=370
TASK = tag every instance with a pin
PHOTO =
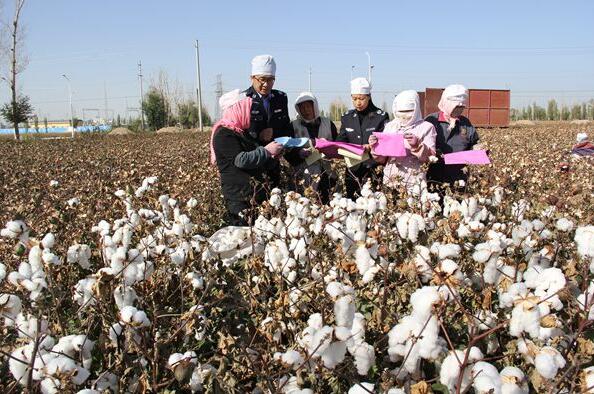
x=218, y=94
x=352, y=70
x=199, y=87
x=141, y=96
x=369, y=67
x=309, y=80
x=70, y=99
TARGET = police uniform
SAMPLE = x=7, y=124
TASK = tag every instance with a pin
x=356, y=128
x=277, y=117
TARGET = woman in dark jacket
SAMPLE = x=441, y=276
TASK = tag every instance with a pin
x=357, y=125
x=455, y=133
x=242, y=158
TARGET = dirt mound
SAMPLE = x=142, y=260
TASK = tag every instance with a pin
x=582, y=121
x=120, y=131
x=522, y=123
x=170, y=130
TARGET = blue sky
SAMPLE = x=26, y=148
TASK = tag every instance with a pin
x=538, y=49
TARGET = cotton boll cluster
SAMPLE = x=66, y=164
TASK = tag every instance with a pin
x=15, y=229
x=195, y=279
x=409, y=226
x=548, y=361
x=182, y=364
x=564, y=225
x=133, y=317
x=84, y=292
x=230, y=244
x=586, y=301
x=2, y=272
x=450, y=369
x=584, y=239
x=10, y=307
x=29, y=326
x=79, y=254
x=316, y=339
x=513, y=381
x=146, y=186
x=124, y=296
x=199, y=376
x=365, y=263
x=278, y=260
x=31, y=276
x=416, y=336
x=289, y=385
x=290, y=358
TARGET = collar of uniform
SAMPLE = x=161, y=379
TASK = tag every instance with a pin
x=441, y=117
x=251, y=92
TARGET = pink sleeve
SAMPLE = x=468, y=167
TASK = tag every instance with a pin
x=427, y=146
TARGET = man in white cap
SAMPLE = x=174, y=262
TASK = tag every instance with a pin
x=357, y=125
x=269, y=106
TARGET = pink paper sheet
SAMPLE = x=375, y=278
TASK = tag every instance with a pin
x=330, y=148
x=467, y=157
x=390, y=145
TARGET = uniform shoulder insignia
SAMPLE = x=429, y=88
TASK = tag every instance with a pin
x=379, y=111
x=347, y=112
x=282, y=93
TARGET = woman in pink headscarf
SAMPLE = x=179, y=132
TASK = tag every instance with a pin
x=419, y=141
x=241, y=157
x=455, y=133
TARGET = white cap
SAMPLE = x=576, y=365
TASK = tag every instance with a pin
x=581, y=137
x=360, y=86
x=230, y=98
x=263, y=65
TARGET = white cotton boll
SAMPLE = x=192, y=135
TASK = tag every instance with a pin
x=120, y=193
x=50, y=258
x=27, y=326
x=337, y=289
x=124, y=296
x=315, y=321
x=2, y=272
x=549, y=282
x=48, y=241
x=79, y=254
x=333, y=354
x=363, y=259
x=195, y=280
x=448, y=251
x=292, y=358
x=134, y=317
x=362, y=388
x=15, y=229
x=584, y=238
x=73, y=202
x=192, y=203
x=10, y=307
x=486, y=378
x=548, y=362
x=513, y=381
x=115, y=331
x=88, y=391
x=564, y=225
x=364, y=355
x=395, y=390
x=450, y=369
x=344, y=311
x=525, y=318
x=402, y=225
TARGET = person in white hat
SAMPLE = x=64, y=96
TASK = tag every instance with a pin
x=419, y=141
x=310, y=124
x=357, y=125
x=455, y=133
x=269, y=106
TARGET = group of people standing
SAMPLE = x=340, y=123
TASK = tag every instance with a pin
x=245, y=152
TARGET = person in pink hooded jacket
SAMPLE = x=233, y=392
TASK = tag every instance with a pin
x=419, y=141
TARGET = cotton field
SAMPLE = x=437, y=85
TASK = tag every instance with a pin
x=117, y=276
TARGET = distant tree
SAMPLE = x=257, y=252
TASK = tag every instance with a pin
x=17, y=112
x=337, y=108
x=576, y=112
x=36, y=123
x=17, y=63
x=565, y=113
x=155, y=109
x=529, y=115
x=119, y=121
x=45, y=124
x=584, y=111
x=188, y=115
x=552, y=110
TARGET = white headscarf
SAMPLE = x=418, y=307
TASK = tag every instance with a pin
x=307, y=96
x=452, y=97
x=405, y=101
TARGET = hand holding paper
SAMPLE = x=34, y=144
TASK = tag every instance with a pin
x=289, y=142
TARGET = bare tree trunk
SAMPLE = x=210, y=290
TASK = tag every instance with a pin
x=13, y=69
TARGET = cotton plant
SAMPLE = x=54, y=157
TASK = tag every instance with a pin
x=584, y=239
x=16, y=229
x=416, y=336
x=10, y=307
